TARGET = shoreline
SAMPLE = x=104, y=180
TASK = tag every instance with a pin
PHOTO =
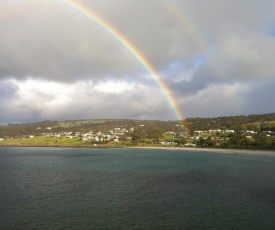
x=217, y=150
x=227, y=151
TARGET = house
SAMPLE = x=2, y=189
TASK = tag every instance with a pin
x=250, y=131
x=230, y=131
x=198, y=132
x=171, y=133
x=168, y=143
x=127, y=138
x=190, y=145
x=214, y=130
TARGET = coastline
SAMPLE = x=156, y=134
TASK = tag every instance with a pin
x=227, y=151
x=217, y=150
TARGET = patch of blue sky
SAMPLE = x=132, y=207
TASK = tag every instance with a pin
x=198, y=60
x=271, y=30
x=178, y=66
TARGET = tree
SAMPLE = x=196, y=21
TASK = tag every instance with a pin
x=264, y=126
x=253, y=127
x=182, y=141
x=155, y=133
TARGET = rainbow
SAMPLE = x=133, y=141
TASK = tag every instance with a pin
x=181, y=16
x=133, y=50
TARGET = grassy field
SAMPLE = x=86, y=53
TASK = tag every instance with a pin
x=258, y=124
x=42, y=141
x=58, y=142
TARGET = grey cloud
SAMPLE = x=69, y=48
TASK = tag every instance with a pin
x=237, y=58
x=260, y=98
x=55, y=42
x=214, y=18
x=25, y=115
x=235, y=99
x=51, y=41
x=82, y=102
x=200, y=80
x=245, y=57
x=8, y=89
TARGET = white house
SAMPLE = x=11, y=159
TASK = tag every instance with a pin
x=230, y=131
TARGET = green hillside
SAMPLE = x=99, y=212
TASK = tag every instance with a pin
x=253, y=131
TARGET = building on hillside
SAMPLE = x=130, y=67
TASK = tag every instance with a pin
x=230, y=131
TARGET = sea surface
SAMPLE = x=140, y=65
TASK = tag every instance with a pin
x=77, y=188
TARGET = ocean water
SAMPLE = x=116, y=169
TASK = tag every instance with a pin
x=64, y=188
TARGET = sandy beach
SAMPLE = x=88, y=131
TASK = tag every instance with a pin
x=227, y=151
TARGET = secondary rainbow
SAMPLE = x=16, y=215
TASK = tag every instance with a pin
x=181, y=16
x=133, y=50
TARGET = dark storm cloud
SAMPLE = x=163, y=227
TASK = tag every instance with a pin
x=50, y=40
x=54, y=59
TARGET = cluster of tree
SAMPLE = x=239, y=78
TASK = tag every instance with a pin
x=257, y=142
x=20, y=130
x=140, y=134
x=241, y=141
x=233, y=122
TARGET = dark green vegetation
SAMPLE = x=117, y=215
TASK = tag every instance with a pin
x=249, y=132
x=256, y=122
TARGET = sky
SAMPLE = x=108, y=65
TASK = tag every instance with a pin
x=208, y=58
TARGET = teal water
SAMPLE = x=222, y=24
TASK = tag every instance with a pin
x=63, y=188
